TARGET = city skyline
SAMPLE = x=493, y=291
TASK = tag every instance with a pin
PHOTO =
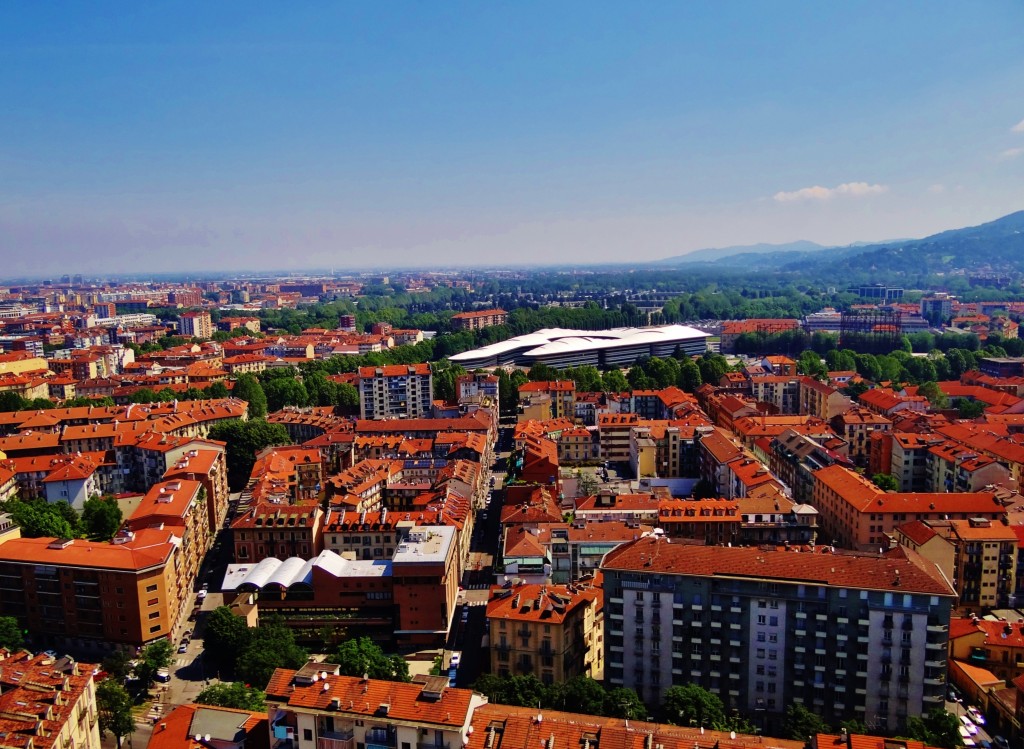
x=149, y=140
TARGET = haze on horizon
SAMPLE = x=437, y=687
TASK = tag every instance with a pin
x=165, y=137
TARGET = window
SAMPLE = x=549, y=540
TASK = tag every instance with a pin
x=154, y=615
x=762, y=619
x=760, y=637
x=151, y=588
x=307, y=734
x=155, y=628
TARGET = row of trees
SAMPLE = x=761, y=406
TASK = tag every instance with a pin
x=580, y=694
x=252, y=654
x=244, y=440
x=100, y=519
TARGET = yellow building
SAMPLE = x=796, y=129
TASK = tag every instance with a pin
x=554, y=632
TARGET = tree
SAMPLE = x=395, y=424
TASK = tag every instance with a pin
x=689, y=376
x=10, y=633
x=101, y=518
x=271, y=646
x=937, y=728
x=580, y=694
x=692, y=705
x=811, y=365
x=541, y=372
x=236, y=695
x=362, y=655
x=11, y=401
x=614, y=381
x=244, y=439
x=524, y=691
x=934, y=394
x=347, y=397
x=968, y=409
x=623, y=702
x=586, y=484
x=285, y=391
x=114, y=705
x=886, y=482
x=801, y=724
x=225, y=636
x=322, y=392
x=118, y=665
x=38, y=518
x=155, y=656
x=248, y=388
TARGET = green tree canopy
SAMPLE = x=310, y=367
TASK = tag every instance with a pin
x=236, y=695
x=886, y=482
x=249, y=389
x=114, y=706
x=153, y=657
x=225, y=636
x=101, y=518
x=801, y=724
x=692, y=705
x=937, y=728
x=271, y=646
x=362, y=655
x=244, y=439
x=38, y=518
x=10, y=633
x=285, y=391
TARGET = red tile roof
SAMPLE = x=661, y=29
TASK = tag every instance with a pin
x=657, y=554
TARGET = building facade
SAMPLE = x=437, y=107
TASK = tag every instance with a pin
x=848, y=636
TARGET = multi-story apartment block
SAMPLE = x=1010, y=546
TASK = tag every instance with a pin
x=396, y=391
x=83, y=594
x=316, y=708
x=478, y=319
x=821, y=399
x=195, y=324
x=554, y=632
x=979, y=556
x=858, y=515
x=560, y=396
x=780, y=391
x=48, y=703
x=848, y=636
x=856, y=426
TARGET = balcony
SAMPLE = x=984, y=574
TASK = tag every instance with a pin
x=433, y=745
x=332, y=740
x=380, y=739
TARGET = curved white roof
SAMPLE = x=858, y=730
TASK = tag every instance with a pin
x=260, y=574
x=562, y=340
x=287, y=572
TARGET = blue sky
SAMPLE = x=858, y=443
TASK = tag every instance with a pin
x=173, y=136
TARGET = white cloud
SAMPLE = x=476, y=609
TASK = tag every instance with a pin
x=1018, y=128
x=1011, y=153
x=936, y=189
x=847, y=189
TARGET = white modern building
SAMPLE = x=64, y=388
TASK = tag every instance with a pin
x=558, y=347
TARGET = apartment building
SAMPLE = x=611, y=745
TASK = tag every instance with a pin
x=396, y=391
x=48, y=703
x=478, y=319
x=978, y=555
x=855, y=514
x=856, y=426
x=195, y=324
x=821, y=399
x=848, y=636
x=559, y=397
x=88, y=595
x=316, y=708
x=553, y=632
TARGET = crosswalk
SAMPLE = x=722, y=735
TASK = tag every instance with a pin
x=478, y=586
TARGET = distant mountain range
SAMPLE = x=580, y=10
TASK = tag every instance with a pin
x=997, y=245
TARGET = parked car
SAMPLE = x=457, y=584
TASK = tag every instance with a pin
x=969, y=725
x=976, y=715
x=183, y=648
x=456, y=659
x=465, y=614
x=200, y=595
x=163, y=675
x=1000, y=743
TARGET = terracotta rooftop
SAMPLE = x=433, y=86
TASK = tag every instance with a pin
x=657, y=554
